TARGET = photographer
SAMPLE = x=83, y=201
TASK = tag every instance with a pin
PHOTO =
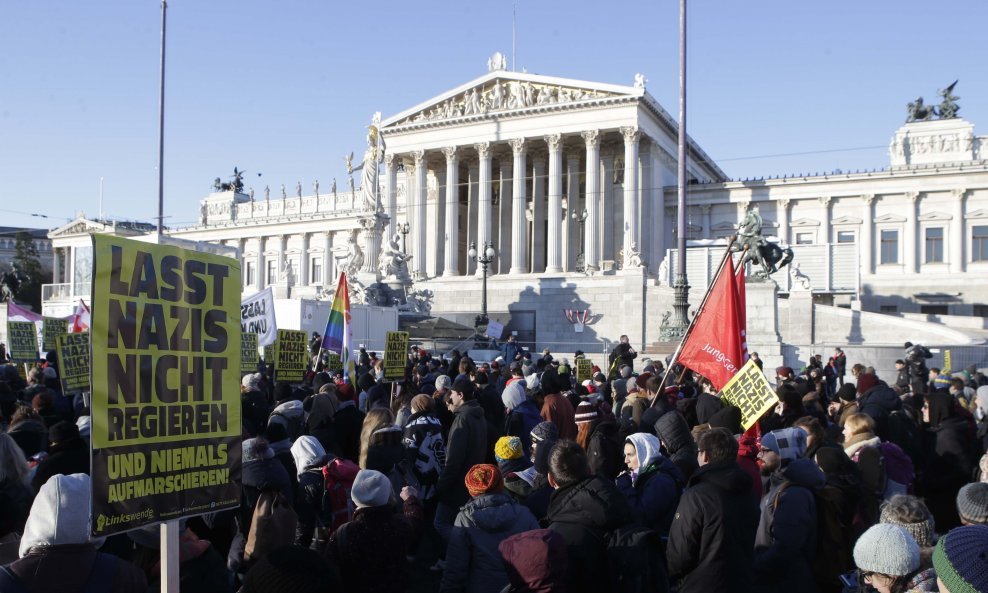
x=916, y=363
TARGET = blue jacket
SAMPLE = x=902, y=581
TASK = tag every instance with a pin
x=654, y=494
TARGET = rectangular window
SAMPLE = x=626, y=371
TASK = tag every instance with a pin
x=272, y=272
x=845, y=236
x=804, y=238
x=889, y=309
x=890, y=247
x=934, y=245
x=980, y=311
x=933, y=309
x=315, y=275
x=979, y=243
x=249, y=274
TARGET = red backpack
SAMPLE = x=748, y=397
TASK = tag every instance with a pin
x=337, y=505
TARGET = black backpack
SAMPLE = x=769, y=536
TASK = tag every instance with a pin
x=833, y=537
x=636, y=562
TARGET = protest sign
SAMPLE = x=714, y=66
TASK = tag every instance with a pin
x=749, y=391
x=22, y=341
x=584, y=369
x=395, y=355
x=249, y=356
x=291, y=356
x=333, y=360
x=494, y=329
x=73, y=361
x=166, y=420
x=52, y=327
x=257, y=316
x=946, y=362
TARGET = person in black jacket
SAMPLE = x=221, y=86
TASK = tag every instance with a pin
x=878, y=400
x=678, y=442
x=622, y=354
x=713, y=532
x=707, y=403
x=583, y=509
x=68, y=454
x=953, y=456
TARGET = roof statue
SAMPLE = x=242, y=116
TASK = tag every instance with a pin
x=497, y=62
x=10, y=283
x=373, y=156
x=236, y=183
x=917, y=111
x=756, y=249
x=948, y=108
x=948, y=105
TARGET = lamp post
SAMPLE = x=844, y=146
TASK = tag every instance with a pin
x=403, y=229
x=581, y=219
x=484, y=259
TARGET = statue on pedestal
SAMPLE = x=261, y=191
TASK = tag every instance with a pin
x=394, y=261
x=373, y=156
x=756, y=248
x=354, y=257
x=948, y=106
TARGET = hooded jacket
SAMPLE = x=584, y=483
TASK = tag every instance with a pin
x=557, y=409
x=289, y=414
x=878, y=402
x=653, y=491
x=786, y=540
x=30, y=435
x=675, y=435
x=473, y=562
x=535, y=561
x=423, y=440
x=69, y=457
x=310, y=457
x=56, y=552
x=467, y=447
x=583, y=513
x=713, y=533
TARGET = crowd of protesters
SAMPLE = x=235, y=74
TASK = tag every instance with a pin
x=513, y=476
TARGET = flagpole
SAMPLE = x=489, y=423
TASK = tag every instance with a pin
x=699, y=311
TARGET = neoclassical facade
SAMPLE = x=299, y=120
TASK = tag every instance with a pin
x=573, y=183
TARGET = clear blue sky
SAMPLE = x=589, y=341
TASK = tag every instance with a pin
x=286, y=88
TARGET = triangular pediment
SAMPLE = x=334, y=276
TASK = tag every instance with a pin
x=79, y=226
x=934, y=216
x=890, y=218
x=977, y=214
x=503, y=91
x=722, y=226
x=845, y=220
x=804, y=222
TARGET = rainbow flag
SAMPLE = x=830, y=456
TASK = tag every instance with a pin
x=337, y=336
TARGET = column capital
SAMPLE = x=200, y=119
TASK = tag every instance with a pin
x=389, y=160
x=825, y=201
x=705, y=208
x=518, y=146
x=913, y=196
x=418, y=157
x=784, y=202
x=554, y=141
x=959, y=193
x=868, y=198
x=450, y=152
x=744, y=204
x=631, y=135
x=592, y=138
x=483, y=149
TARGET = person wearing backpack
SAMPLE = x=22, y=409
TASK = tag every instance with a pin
x=652, y=484
x=786, y=540
x=424, y=446
x=310, y=458
x=261, y=473
x=57, y=552
x=584, y=509
x=288, y=411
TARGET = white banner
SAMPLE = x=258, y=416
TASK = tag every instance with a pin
x=257, y=316
x=494, y=329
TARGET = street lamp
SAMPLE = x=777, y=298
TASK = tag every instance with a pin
x=403, y=229
x=484, y=260
x=581, y=219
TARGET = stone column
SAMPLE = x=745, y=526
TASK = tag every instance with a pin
x=956, y=238
x=304, y=261
x=452, y=247
x=391, y=193
x=574, y=205
x=282, y=248
x=418, y=206
x=554, y=261
x=631, y=241
x=910, y=244
x=782, y=208
x=259, y=281
x=519, y=226
x=483, y=198
x=328, y=277
x=505, y=237
x=705, y=220
x=827, y=203
x=472, y=203
x=867, y=243
x=606, y=206
x=658, y=214
x=591, y=228
x=538, y=212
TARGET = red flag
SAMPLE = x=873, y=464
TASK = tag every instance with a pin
x=79, y=321
x=713, y=347
x=742, y=313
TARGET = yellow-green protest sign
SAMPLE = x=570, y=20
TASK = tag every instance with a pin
x=22, y=341
x=291, y=356
x=946, y=362
x=166, y=424
x=249, y=356
x=749, y=391
x=73, y=361
x=51, y=328
x=270, y=353
x=333, y=360
x=584, y=369
x=395, y=355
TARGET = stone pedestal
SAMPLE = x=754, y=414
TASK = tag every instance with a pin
x=282, y=289
x=935, y=141
x=371, y=230
x=762, y=306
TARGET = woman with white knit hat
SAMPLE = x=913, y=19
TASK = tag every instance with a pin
x=888, y=560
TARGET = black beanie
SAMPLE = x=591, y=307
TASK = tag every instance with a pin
x=847, y=392
x=282, y=392
x=292, y=569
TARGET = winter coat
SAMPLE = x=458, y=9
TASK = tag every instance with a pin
x=844, y=412
x=536, y=561
x=30, y=435
x=557, y=409
x=713, y=533
x=201, y=568
x=56, y=552
x=632, y=408
x=426, y=450
x=786, y=541
x=283, y=454
x=289, y=414
x=748, y=462
x=623, y=354
x=707, y=404
x=260, y=475
x=604, y=449
x=15, y=504
x=349, y=420
x=492, y=405
x=520, y=422
x=71, y=457
x=677, y=439
x=878, y=402
x=466, y=447
x=310, y=458
x=583, y=513
x=653, y=491
x=952, y=450
x=473, y=562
